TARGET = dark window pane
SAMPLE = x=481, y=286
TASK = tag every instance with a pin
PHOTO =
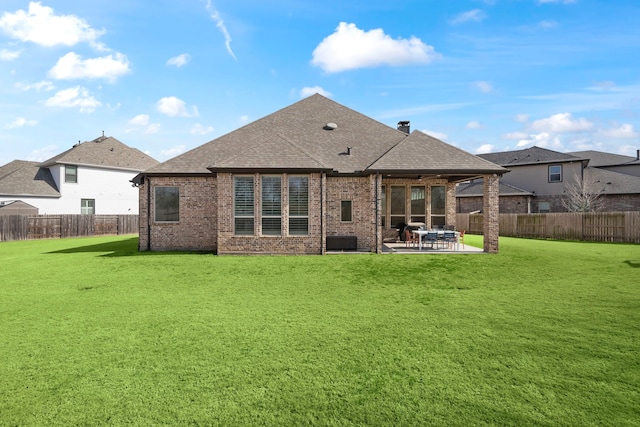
x=345, y=210
x=167, y=204
x=244, y=226
x=298, y=226
x=271, y=226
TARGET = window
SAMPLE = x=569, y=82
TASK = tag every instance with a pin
x=418, y=204
x=272, y=205
x=70, y=174
x=397, y=205
x=544, y=207
x=298, y=205
x=438, y=206
x=345, y=211
x=167, y=204
x=243, y=205
x=555, y=173
x=87, y=206
x=383, y=202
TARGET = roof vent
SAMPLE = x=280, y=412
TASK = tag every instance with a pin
x=330, y=126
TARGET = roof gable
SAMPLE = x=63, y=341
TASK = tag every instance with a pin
x=303, y=125
x=422, y=152
x=105, y=152
x=275, y=153
x=529, y=156
x=24, y=178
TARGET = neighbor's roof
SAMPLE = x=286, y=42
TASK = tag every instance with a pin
x=529, y=156
x=601, y=159
x=302, y=136
x=609, y=182
x=104, y=152
x=475, y=188
x=24, y=178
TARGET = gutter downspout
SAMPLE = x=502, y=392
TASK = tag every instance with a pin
x=377, y=216
x=148, y=215
x=322, y=231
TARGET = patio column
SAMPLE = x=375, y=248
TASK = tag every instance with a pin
x=491, y=212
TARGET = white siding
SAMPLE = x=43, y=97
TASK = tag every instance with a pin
x=111, y=190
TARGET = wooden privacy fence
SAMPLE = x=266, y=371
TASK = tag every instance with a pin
x=596, y=227
x=26, y=227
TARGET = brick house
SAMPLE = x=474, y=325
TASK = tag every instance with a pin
x=308, y=178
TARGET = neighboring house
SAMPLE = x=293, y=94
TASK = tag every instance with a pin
x=612, y=162
x=547, y=176
x=512, y=199
x=311, y=177
x=90, y=178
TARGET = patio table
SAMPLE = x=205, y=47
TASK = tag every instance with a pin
x=420, y=233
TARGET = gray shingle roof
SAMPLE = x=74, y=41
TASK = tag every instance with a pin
x=475, y=188
x=297, y=137
x=420, y=152
x=23, y=178
x=104, y=152
x=600, y=159
x=529, y=156
x=609, y=182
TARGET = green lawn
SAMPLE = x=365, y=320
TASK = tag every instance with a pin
x=544, y=333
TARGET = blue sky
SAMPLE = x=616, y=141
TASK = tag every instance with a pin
x=166, y=76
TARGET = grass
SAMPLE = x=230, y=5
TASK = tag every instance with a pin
x=544, y=333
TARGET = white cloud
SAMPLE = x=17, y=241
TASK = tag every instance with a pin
x=41, y=26
x=547, y=24
x=473, y=124
x=215, y=15
x=624, y=131
x=179, y=60
x=199, y=129
x=72, y=66
x=560, y=123
x=311, y=90
x=439, y=135
x=485, y=148
x=475, y=15
x=516, y=136
x=9, y=55
x=152, y=128
x=522, y=118
x=175, y=107
x=45, y=85
x=484, y=87
x=140, y=120
x=43, y=154
x=350, y=48
x=243, y=120
x=75, y=97
x=19, y=122
x=173, y=151
x=544, y=140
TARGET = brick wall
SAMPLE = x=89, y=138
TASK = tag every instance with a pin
x=196, y=229
x=491, y=213
x=361, y=192
x=229, y=243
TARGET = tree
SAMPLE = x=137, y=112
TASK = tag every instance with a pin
x=583, y=195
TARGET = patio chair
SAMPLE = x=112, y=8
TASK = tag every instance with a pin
x=449, y=238
x=431, y=238
x=461, y=238
x=410, y=239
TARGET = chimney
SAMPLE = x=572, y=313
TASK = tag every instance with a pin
x=404, y=126
x=637, y=154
